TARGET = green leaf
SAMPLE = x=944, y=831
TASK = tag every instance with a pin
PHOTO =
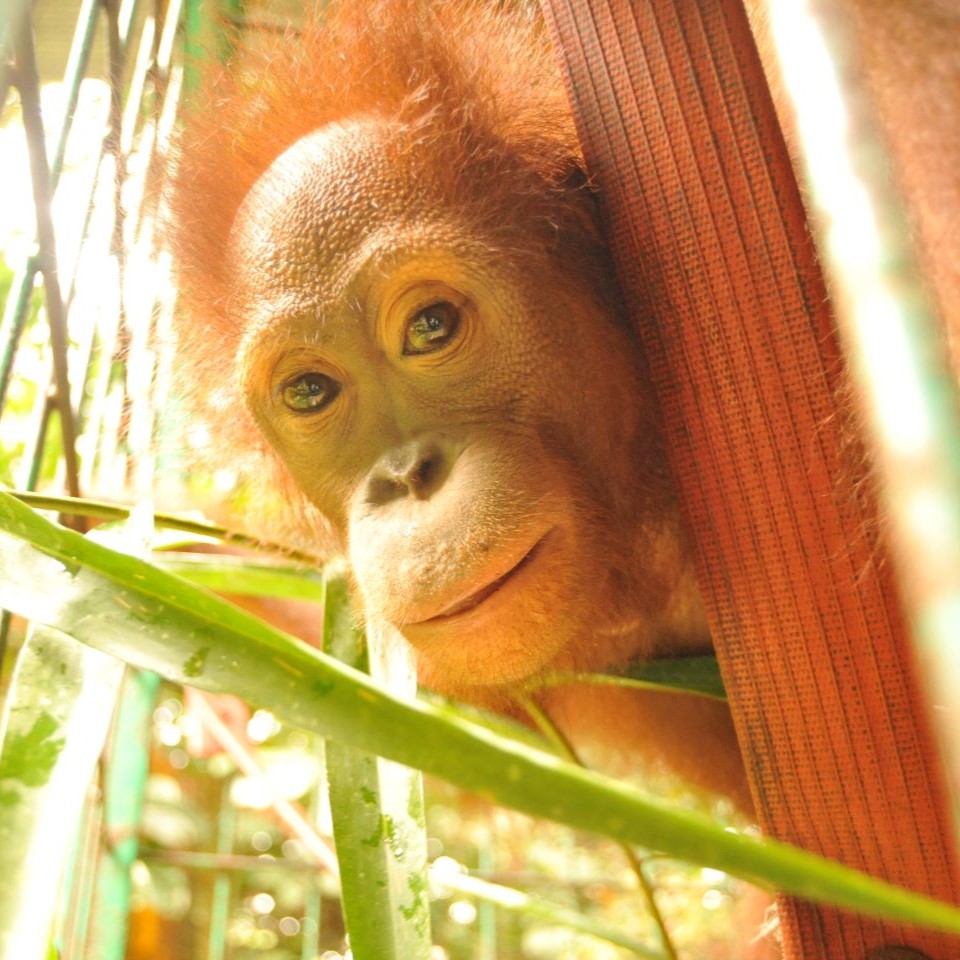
x=202, y=529
x=130, y=609
x=30, y=756
x=699, y=676
x=225, y=574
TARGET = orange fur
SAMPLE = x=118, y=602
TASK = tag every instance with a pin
x=463, y=102
x=476, y=83
x=460, y=104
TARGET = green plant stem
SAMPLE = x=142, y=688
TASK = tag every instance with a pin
x=555, y=735
x=697, y=676
x=103, y=510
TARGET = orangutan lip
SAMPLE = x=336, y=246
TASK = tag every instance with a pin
x=475, y=599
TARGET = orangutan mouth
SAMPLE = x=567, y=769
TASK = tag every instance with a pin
x=484, y=593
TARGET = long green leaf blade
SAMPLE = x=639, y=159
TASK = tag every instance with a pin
x=694, y=675
x=131, y=610
x=227, y=574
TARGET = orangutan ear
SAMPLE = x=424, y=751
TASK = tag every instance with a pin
x=583, y=198
x=576, y=177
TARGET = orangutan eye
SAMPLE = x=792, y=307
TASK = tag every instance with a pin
x=309, y=392
x=432, y=328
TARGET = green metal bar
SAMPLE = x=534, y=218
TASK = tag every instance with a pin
x=194, y=21
x=28, y=83
x=52, y=730
x=123, y=796
x=16, y=312
x=210, y=25
x=33, y=452
x=222, y=886
x=78, y=895
x=127, y=18
x=12, y=14
x=231, y=18
x=123, y=23
x=310, y=928
x=486, y=909
x=312, y=896
x=167, y=37
x=5, y=621
x=15, y=315
x=73, y=74
x=222, y=862
x=112, y=144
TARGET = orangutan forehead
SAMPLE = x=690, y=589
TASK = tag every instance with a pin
x=320, y=197
x=317, y=206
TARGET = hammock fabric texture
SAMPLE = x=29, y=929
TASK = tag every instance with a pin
x=718, y=269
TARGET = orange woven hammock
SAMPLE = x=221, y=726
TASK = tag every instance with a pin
x=716, y=263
